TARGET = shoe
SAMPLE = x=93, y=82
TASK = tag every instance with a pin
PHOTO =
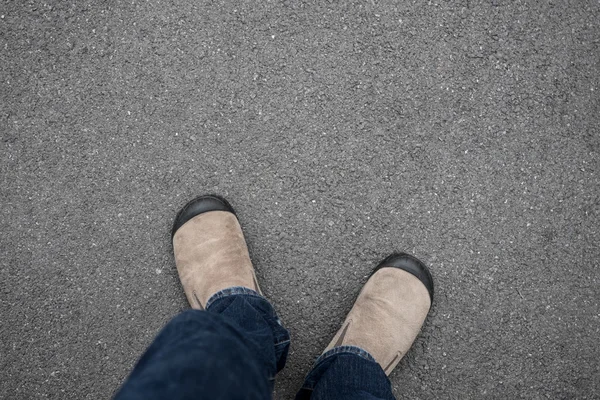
x=389, y=311
x=210, y=250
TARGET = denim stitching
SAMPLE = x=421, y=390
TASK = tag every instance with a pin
x=310, y=383
x=235, y=290
x=345, y=349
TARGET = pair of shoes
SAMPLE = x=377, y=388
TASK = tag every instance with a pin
x=211, y=255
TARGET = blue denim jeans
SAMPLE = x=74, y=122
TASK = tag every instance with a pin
x=234, y=349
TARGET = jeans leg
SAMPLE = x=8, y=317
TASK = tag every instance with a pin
x=349, y=373
x=230, y=351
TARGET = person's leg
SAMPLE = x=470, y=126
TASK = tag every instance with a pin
x=234, y=348
x=231, y=351
x=377, y=333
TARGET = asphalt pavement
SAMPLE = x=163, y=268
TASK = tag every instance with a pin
x=464, y=132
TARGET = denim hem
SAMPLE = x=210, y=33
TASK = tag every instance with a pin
x=345, y=349
x=317, y=371
x=231, y=291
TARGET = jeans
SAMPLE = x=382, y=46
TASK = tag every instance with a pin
x=234, y=349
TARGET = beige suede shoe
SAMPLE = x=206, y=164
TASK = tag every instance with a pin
x=210, y=250
x=389, y=311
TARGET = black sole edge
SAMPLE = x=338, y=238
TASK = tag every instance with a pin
x=419, y=269
x=185, y=214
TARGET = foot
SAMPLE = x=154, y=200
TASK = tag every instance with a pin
x=389, y=311
x=210, y=250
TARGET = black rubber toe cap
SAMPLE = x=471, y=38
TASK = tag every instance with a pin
x=410, y=264
x=198, y=206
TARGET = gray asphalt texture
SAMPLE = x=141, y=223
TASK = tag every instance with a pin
x=466, y=133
